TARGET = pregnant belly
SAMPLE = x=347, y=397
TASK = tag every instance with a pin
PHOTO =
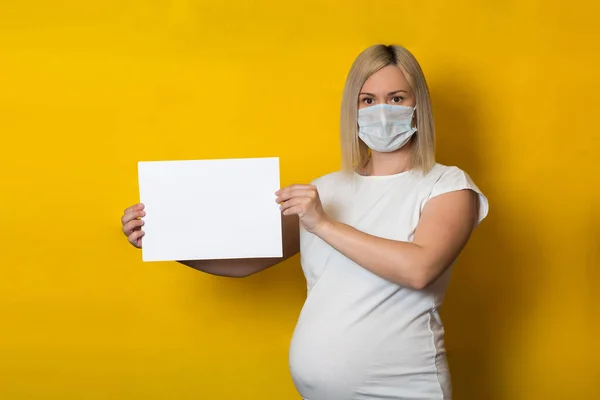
x=331, y=360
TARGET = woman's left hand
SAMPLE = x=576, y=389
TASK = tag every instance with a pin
x=304, y=201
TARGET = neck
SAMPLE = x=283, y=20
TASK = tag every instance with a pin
x=390, y=163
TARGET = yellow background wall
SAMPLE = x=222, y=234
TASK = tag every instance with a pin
x=88, y=88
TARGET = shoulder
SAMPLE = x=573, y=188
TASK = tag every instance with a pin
x=441, y=174
x=444, y=179
x=438, y=171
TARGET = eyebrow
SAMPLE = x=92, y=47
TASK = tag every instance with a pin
x=389, y=94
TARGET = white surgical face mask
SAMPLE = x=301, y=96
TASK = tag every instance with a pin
x=385, y=127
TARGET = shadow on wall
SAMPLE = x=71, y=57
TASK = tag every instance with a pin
x=271, y=297
x=277, y=288
x=486, y=298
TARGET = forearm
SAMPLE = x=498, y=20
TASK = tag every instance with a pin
x=444, y=227
x=404, y=263
x=234, y=268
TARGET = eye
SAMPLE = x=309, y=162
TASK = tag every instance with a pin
x=397, y=99
x=369, y=101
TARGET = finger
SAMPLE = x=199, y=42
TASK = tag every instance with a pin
x=292, y=203
x=135, y=237
x=293, y=193
x=129, y=227
x=131, y=215
x=293, y=187
x=135, y=207
x=299, y=186
x=295, y=210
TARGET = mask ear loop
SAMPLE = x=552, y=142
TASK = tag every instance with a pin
x=414, y=119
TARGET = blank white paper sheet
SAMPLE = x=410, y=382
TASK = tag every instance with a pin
x=210, y=209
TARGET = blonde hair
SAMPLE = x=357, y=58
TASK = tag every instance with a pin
x=355, y=153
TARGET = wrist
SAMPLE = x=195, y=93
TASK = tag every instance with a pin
x=324, y=227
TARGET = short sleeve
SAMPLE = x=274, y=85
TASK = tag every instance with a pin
x=453, y=179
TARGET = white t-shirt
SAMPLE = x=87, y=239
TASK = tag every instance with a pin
x=360, y=336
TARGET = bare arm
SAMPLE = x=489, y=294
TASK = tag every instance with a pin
x=443, y=230
x=238, y=268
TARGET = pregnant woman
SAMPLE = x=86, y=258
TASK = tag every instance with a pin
x=377, y=241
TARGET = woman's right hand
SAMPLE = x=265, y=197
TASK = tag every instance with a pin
x=132, y=224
